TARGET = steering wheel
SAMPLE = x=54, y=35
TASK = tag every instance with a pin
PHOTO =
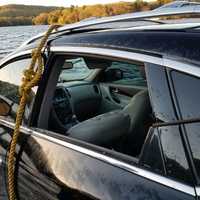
x=62, y=106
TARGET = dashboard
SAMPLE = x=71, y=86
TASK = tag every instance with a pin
x=79, y=98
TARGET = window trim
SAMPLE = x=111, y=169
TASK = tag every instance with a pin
x=15, y=59
x=185, y=67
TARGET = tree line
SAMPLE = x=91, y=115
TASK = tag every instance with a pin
x=75, y=13
x=11, y=15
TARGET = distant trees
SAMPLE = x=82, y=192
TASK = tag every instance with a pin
x=13, y=15
x=41, y=19
x=15, y=21
x=75, y=13
x=27, y=15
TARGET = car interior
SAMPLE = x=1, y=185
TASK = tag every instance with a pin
x=110, y=109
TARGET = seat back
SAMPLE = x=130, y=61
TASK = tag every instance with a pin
x=102, y=130
x=139, y=110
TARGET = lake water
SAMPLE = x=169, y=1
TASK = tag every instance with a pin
x=12, y=37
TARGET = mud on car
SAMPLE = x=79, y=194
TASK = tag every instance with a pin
x=116, y=113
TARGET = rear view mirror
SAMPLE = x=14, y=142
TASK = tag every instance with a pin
x=4, y=107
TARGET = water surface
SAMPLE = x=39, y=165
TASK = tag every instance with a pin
x=12, y=37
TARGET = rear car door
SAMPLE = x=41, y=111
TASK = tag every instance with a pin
x=53, y=167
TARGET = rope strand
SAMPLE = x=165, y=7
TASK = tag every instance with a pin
x=29, y=80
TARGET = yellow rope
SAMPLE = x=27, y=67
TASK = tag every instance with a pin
x=31, y=78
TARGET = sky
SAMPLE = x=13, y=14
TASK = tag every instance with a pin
x=64, y=3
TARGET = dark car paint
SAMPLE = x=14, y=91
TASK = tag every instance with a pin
x=160, y=97
x=87, y=177
x=47, y=170
x=180, y=45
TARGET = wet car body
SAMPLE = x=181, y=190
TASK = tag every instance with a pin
x=54, y=165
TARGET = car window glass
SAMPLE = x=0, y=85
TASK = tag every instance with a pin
x=188, y=98
x=159, y=93
x=152, y=152
x=131, y=74
x=74, y=69
x=174, y=155
x=10, y=80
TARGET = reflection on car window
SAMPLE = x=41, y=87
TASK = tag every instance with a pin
x=10, y=80
x=132, y=74
x=188, y=97
x=175, y=159
x=151, y=152
x=159, y=92
x=74, y=69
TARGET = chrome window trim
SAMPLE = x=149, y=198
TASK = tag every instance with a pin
x=108, y=53
x=14, y=55
x=130, y=168
x=167, y=62
x=197, y=189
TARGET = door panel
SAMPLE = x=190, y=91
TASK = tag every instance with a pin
x=116, y=96
x=52, y=168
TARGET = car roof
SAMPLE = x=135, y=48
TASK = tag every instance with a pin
x=174, y=44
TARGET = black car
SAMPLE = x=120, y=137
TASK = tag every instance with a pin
x=116, y=114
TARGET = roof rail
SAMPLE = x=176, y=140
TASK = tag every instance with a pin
x=171, y=9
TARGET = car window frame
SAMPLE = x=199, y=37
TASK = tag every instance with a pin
x=53, y=136
x=60, y=52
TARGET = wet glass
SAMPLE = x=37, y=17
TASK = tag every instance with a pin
x=188, y=98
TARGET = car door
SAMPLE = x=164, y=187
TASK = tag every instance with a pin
x=55, y=167
x=52, y=166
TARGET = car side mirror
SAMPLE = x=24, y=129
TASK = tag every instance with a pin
x=5, y=107
x=113, y=75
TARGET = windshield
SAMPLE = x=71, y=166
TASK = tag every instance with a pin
x=74, y=69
